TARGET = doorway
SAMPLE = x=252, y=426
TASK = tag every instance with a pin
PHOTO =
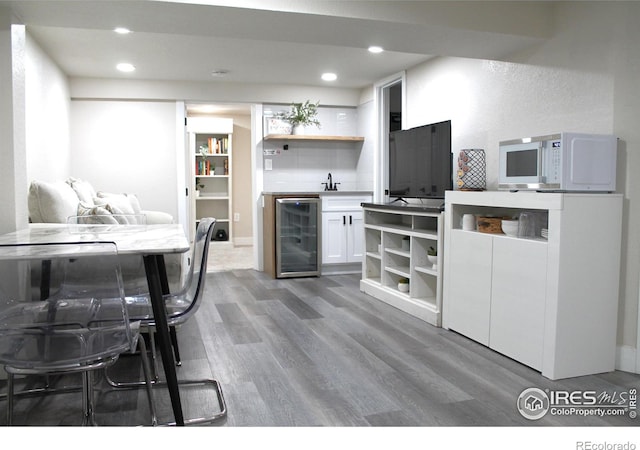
x=239, y=192
x=390, y=106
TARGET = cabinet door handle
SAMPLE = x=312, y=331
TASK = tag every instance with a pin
x=350, y=220
x=344, y=220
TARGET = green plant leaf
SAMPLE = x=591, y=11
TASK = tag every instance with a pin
x=302, y=114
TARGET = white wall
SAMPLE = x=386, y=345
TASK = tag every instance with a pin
x=365, y=164
x=127, y=146
x=33, y=121
x=585, y=78
x=13, y=191
x=490, y=101
x=47, y=121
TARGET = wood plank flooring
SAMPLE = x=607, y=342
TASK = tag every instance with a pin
x=318, y=352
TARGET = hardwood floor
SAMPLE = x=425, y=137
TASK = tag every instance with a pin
x=318, y=352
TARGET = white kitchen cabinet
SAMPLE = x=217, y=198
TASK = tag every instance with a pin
x=518, y=299
x=397, y=240
x=470, y=258
x=550, y=303
x=342, y=228
x=343, y=237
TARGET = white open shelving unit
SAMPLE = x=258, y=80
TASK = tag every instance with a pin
x=397, y=240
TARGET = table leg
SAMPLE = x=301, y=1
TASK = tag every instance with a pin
x=152, y=265
x=45, y=279
x=165, y=290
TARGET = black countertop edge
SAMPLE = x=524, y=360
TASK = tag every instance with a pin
x=404, y=207
x=319, y=193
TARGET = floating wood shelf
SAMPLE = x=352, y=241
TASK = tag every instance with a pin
x=307, y=137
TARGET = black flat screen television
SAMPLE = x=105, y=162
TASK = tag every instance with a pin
x=420, y=161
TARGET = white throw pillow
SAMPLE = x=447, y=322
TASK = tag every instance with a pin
x=135, y=203
x=83, y=189
x=120, y=201
x=51, y=202
x=92, y=214
x=120, y=216
x=127, y=204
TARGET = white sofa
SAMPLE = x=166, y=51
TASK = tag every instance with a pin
x=55, y=202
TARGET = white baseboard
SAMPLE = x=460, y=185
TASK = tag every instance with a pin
x=340, y=269
x=243, y=241
x=626, y=359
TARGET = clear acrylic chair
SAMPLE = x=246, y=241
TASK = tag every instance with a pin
x=180, y=307
x=62, y=311
x=131, y=266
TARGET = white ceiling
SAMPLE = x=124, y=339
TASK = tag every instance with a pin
x=275, y=41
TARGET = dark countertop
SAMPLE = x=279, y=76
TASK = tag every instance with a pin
x=320, y=193
x=405, y=207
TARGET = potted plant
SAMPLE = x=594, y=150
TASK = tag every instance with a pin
x=432, y=256
x=403, y=285
x=302, y=115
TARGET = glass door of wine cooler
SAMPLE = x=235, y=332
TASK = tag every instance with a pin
x=298, y=237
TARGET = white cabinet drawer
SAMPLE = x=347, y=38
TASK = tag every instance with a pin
x=344, y=202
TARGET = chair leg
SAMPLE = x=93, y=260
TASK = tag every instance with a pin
x=9, y=399
x=148, y=381
x=87, y=399
x=174, y=344
x=221, y=402
x=154, y=360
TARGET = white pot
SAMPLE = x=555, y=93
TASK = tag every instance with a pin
x=434, y=261
x=403, y=287
x=297, y=129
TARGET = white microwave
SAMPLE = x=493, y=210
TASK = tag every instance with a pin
x=559, y=162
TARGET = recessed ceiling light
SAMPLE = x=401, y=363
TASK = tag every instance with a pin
x=122, y=30
x=329, y=76
x=376, y=49
x=219, y=73
x=125, y=67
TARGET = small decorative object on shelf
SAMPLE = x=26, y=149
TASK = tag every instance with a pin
x=432, y=256
x=301, y=115
x=405, y=243
x=403, y=285
x=510, y=227
x=278, y=125
x=199, y=186
x=471, y=170
x=492, y=225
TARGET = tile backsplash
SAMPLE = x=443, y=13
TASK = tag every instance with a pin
x=306, y=164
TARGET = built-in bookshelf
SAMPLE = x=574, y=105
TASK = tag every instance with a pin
x=211, y=143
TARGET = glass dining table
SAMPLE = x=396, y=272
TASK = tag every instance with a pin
x=151, y=242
